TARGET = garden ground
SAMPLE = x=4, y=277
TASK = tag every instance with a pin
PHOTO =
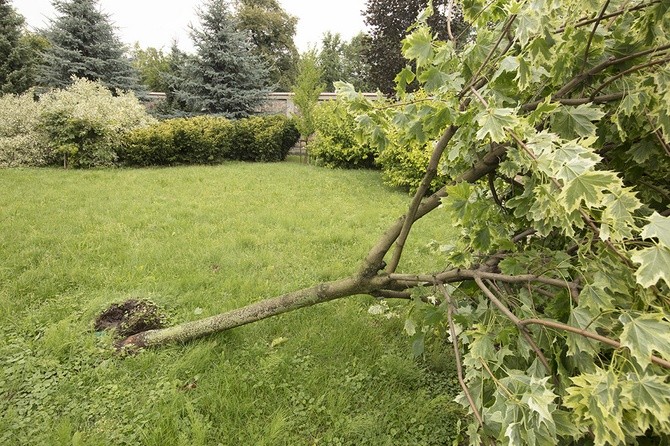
x=199, y=241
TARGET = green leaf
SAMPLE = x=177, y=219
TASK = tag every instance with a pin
x=587, y=188
x=571, y=122
x=495, y=123
x=658, y=227
x=654, y=265
x=403, y=79
x=650, y=393
x=419, y=46
x=645, y=334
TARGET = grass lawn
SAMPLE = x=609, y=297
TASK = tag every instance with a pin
x=199, y=241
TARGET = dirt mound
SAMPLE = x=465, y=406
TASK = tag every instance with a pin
x=131, y=317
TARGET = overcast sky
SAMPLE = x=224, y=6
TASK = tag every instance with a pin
x=156, y=23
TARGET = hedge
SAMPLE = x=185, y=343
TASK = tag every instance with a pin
x=209, y=140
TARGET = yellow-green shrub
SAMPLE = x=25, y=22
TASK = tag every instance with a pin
x=85, y=123
x=209, y=139
x=334, y=143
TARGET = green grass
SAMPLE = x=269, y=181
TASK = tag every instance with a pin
x=199, y=241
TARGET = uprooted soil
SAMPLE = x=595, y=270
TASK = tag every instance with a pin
x=131, y=317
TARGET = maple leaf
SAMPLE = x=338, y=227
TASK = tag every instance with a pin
x=644, y=334
x=654, y=265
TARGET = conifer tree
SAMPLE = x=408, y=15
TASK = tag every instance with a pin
x=224, y=77
x=84, y=44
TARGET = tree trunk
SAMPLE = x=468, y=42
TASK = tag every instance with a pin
x=257, y=311
x=367, y=280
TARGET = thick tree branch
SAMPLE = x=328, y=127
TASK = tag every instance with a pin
x=375, y=257
x=428, y=177
x=263, y=309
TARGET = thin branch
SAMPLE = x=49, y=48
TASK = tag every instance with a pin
x=574, y=82
x=450, y=16
x=586, y=22
x=628, y=71
x=588, y=334
x=664, y=144
x=593, y=32
x=457, y=355
x=523, y=330
x=577, y=101
x=475, y=77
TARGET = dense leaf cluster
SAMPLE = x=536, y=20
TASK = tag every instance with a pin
x=334, y=143
x=551, y=128
x=78, y=126
x=209, y=140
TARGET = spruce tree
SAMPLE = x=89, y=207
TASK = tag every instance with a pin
x=18, y=52
x=224, y=77
x=83, y=43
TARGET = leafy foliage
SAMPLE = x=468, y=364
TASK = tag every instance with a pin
x=209, y=140
x=79, y=126
x=83, y=43
x=19, y=52
x=153, y=67
x=272, y=30
x=388, y=22
x=306, y=91
x=550, y=128
x=335, y=143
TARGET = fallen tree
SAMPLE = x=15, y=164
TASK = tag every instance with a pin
x=553, y=125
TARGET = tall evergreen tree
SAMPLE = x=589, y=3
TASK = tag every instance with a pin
x=272, y=30
x=388, y=21
x=19, y=52
x=84, y=44
x=224, y=77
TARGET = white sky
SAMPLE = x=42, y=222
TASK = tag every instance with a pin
x=154, y=23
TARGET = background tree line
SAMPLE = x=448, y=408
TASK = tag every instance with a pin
x=243, y=50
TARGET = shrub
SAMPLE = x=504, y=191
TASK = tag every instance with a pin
x=208, y=140
x=198, y=140
x=334, y=143
x=85, y=122
x=21, y=144
x=404, y=165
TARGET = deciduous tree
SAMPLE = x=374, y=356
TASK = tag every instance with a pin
x=272, y=31
x=19, y=52
x=388, y=22
x=153, y=66
x=552, y=130
x=308, y=86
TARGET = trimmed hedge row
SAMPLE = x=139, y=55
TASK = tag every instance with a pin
x=209, y=140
